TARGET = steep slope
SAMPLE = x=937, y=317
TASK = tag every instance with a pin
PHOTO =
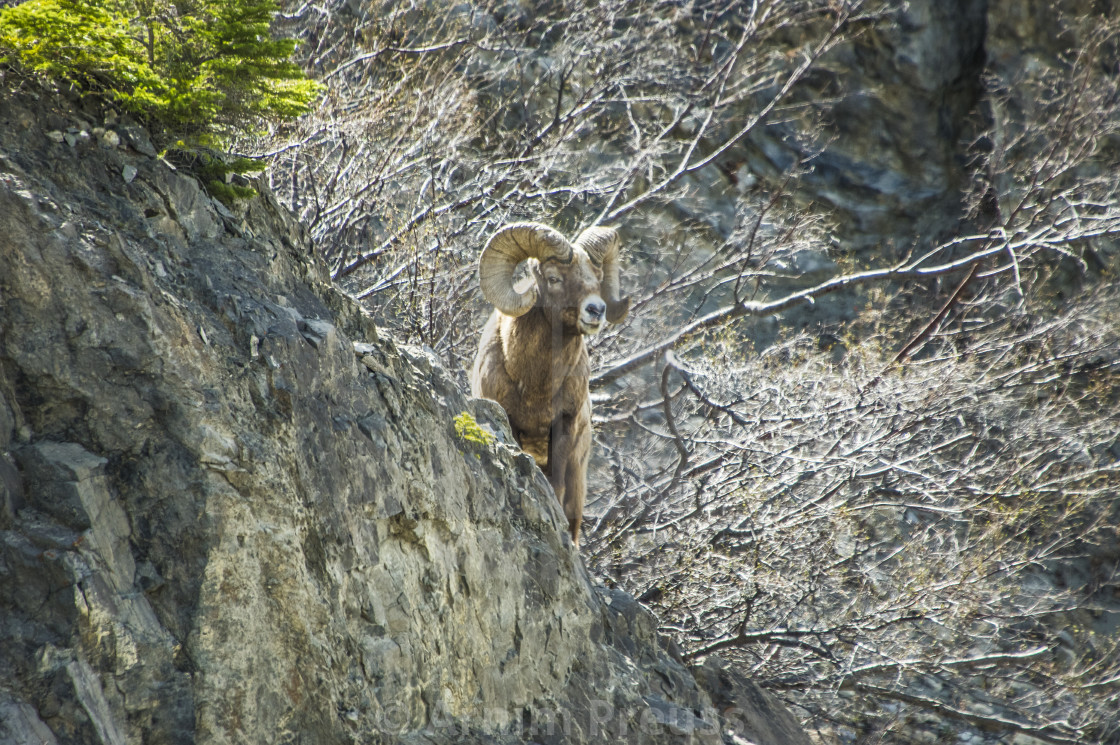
x=232, y=513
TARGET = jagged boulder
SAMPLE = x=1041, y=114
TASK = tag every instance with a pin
x=230, y=512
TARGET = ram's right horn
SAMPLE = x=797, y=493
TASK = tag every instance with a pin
x=507, y=248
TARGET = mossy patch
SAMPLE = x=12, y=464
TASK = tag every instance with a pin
x=471, y=431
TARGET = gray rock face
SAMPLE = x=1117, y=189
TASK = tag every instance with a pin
x=231, y=513
x=906, y=106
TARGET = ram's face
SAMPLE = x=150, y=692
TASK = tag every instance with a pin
x=572, y=293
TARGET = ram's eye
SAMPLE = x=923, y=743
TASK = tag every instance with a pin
x=554, y=280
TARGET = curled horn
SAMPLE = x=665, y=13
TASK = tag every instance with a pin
x=602, y=244
x=507, y=248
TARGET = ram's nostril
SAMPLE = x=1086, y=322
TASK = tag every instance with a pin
x=595, y=310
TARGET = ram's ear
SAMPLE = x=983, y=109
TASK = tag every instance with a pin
x=535, y=271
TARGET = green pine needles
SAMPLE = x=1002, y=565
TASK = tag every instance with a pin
x=194, y=70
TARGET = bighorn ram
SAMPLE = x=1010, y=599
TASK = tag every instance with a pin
x=531, y=357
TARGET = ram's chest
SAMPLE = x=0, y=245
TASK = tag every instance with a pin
x=532, y=421
x=541, y=402
x=548, y=373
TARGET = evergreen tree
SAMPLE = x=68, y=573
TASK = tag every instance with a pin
x=195, y=70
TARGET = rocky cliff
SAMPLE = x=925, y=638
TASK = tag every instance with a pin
x=233, y=513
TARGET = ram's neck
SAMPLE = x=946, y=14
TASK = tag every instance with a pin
x=540, y=352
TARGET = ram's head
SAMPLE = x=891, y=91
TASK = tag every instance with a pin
x=574, y=283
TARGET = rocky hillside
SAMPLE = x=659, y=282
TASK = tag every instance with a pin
x=919, y=476
x=234, y=513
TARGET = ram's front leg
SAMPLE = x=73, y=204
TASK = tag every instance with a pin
x=575, y=484
x=559, y=453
